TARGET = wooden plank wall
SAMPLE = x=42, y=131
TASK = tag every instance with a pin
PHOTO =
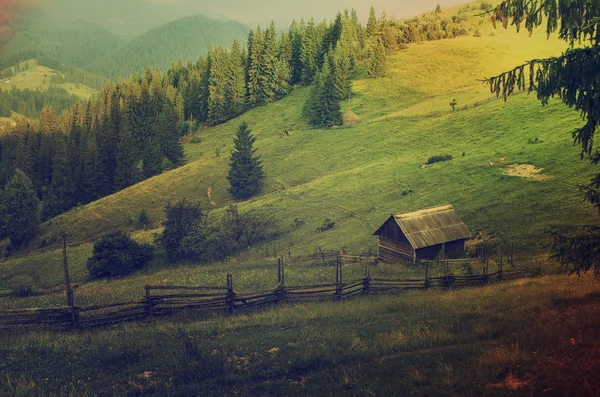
x=391, y=251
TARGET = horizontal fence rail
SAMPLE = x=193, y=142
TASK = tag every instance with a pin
x=163, y=300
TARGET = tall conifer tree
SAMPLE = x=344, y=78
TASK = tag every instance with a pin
x=245, y=174
x=22, y=215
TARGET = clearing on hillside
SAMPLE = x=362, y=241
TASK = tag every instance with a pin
x=526, y=171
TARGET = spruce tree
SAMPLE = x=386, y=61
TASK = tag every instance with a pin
x=217, y=86
x=255, y=71
x=168, y=136
x=309, y=53
x=245, y=174
x=269, y=79
x=377, y=61
x=236, y=81
x=92, y=170
x=295, y=35
x=322, y=109
x=342, y=69
x=126, y=158
x=22, y=215
x=371, y=23
x=60, y=196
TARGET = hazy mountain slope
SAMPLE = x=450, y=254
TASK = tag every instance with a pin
x=73, y=43
x=183, y=39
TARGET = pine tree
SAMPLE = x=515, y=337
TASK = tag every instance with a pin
x=378, y=61
x=22, y=215
x=236, y=80
x=217, y=104
x=255, y=72
x=126, y=158
x=269, y=79
x=168, y=136
x=371, y=23
x=245, y=174
x=309, y=53
x=342, y=68
x=92, y=171
x=295, y=36
x=60, y=196
x=322, y=109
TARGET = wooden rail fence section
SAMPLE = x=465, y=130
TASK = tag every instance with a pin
x=162, y=300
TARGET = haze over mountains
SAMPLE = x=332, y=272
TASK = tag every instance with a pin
x=130, y=18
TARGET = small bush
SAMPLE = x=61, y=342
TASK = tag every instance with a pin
x=195, y=139
x=116, y=254
x=440, y=158
x=328, y=224
x=485, y=6
x=22, y=291
x=533, y=141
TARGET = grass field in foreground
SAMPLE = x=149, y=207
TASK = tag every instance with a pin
x=527, y=337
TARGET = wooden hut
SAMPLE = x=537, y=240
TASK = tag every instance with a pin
x=422, y=234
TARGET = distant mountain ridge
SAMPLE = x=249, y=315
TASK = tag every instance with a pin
x=72, y=42
x=184, y=39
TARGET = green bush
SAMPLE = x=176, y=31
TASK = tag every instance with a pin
x=116, y=254
x=439, y=158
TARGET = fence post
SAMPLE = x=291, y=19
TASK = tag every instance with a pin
x=366, y=281
x=501, y=266
x=230, y=294
x=69, y=290
x=426, y=274
x=338, y=279
x=149, y=301
x=279, y=271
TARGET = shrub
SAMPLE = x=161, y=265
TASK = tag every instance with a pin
x=439, y=158
x=181, y=220
x=485, y=6
x=116, y=254
x=221, y=235
x=328, y=224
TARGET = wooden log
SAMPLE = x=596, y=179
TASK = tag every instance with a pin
x=188, y=288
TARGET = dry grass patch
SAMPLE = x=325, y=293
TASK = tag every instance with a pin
x=526, y=171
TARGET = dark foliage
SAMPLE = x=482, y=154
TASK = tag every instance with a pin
x=21, y=210
x=439, y=158
x=245, y=174
x=220, y=236
x=182, y=218
x=116, y=254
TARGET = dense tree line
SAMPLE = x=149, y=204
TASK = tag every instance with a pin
x=130, y=132
x=29, y=103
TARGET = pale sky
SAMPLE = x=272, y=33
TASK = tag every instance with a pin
x=135, y=16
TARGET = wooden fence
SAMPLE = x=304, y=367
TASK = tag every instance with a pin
x=163, y=300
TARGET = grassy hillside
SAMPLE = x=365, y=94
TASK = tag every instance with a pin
x=356, y=176
x=183, y=39
x=38, y=77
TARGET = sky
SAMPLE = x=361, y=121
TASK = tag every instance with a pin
x=139, y=15
x=132, y=17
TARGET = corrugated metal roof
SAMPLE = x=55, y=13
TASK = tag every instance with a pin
x=432, y=226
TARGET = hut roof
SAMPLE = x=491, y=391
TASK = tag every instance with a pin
x=432, y=226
